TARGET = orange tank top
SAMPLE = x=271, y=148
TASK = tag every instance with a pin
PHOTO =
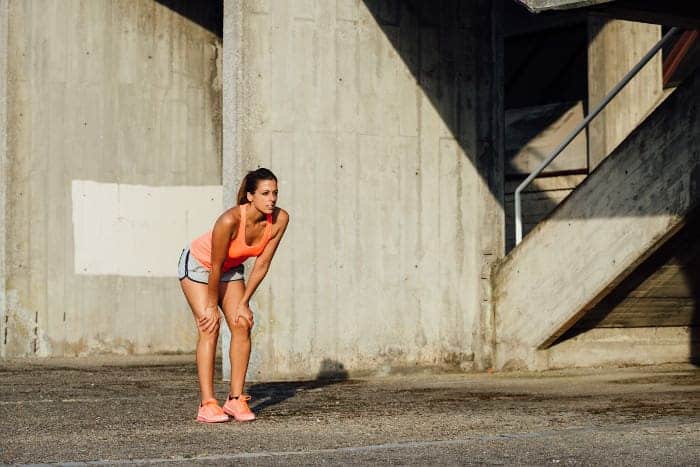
x=238, y=250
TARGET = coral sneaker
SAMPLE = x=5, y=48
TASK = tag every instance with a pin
x=237, y=407
x=210, y=412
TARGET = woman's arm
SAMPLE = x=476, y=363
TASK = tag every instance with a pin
x=262, y=265
x=220, y=237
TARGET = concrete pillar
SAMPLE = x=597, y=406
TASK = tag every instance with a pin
x=383, y=121
x=3, y=169
x=232, y=169
x=491, y=132
x=614, y=47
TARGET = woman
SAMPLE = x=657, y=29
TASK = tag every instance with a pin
x=211, y=275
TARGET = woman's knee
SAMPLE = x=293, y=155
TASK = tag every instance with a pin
x=209, y=334
x=242, y=326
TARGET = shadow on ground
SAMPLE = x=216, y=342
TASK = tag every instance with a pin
x=270, y=394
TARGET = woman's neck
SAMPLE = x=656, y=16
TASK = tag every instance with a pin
x=253, y=215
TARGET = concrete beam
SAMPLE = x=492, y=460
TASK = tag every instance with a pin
x=635, y=200
x=538, y=6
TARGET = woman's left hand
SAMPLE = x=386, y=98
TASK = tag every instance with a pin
x=243, y=311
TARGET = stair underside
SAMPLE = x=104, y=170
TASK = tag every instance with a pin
x=662, y=291
x=628, y=208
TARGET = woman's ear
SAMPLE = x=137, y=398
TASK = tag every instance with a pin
x=249, y=197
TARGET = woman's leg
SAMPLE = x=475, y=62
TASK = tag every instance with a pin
x=231, y=294
x=196, y=295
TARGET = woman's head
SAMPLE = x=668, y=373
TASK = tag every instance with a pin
x=260, y=188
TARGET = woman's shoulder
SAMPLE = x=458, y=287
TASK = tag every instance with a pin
x=280, y=219
x=280, y=216
x=231, y=217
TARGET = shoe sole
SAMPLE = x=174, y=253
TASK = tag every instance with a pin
x=231, y=414
x=209, y=420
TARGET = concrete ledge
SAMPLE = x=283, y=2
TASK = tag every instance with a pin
x=105, y=360
x=621, y=347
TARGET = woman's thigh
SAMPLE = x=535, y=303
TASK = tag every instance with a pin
x=230, y=295
x=196, y=295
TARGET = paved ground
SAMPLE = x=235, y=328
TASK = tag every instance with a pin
x=142, y=412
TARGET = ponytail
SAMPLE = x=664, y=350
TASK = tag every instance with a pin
x=241, y=198
x=250, y=183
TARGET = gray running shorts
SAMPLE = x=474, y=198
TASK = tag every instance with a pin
x=190, y=268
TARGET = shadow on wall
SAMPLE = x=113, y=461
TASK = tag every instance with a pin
x=331, y=372
x=546, y=77
x=444, y=44
x=207, y=13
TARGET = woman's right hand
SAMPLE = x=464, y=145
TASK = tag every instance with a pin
x=209, y=320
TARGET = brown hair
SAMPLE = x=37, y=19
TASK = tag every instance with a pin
x=250, y=183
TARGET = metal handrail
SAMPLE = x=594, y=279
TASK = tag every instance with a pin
x=626, y=79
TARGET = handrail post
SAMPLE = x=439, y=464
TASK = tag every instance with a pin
x=606, y=100
x=518, y=217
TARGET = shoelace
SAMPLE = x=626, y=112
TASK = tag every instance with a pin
x=243, y=399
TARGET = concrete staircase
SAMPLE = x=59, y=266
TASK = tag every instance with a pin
x=630, y=206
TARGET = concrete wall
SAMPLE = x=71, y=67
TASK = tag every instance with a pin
x=383, y=122
x=113, y=162
x=625, y=210
x=614, y=48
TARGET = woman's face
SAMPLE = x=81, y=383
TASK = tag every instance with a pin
x=265, y=196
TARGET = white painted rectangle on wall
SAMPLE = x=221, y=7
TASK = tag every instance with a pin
x=138, y=230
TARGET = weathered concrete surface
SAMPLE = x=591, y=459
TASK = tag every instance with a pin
x=633, y=202
x=112, y=92
x=141, y=411
x=383, y=122
x=614, y=47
